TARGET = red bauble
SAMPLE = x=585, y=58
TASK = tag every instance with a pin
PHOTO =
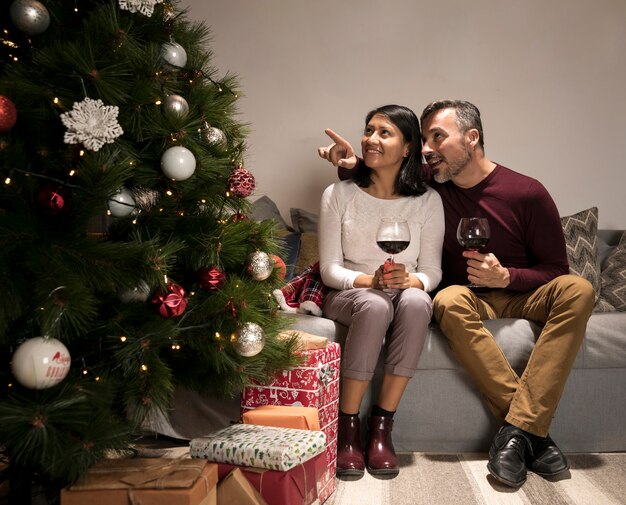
x=241, y=182
x=53, y=199
x=279, y=266
x=8, y=114
x=238, y=216
x=172, y=303
x=211, y=279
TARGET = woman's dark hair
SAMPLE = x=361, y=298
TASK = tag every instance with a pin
x=410, y=178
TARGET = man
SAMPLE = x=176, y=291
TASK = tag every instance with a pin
x=522, y=273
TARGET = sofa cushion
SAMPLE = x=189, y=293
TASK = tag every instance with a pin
x=308, y=252
x=303, y=220
x=613, y=277
x=264, y=208
x=581, y=240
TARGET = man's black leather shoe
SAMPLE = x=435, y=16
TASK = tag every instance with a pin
x=510, y=450
x=547, y=458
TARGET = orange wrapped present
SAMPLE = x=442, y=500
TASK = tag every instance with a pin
x=303, y=418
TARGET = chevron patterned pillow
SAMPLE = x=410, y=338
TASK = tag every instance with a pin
x=614, y=277
x=581, y=239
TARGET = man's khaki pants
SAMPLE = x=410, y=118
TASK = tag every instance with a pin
x=562, y=306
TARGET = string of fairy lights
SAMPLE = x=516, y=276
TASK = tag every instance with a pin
x=17, y=46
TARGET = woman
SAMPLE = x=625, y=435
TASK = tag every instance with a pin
x=389, y=183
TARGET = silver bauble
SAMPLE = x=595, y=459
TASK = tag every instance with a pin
x=138, y=294
x=30, y=16
x=250, y=340
x=215, y=137
x=175, y=106
x=174, y=54
x=122, y=203
x=260, y=265
x=145, y=198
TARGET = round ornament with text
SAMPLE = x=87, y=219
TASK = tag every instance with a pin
x=40, y=362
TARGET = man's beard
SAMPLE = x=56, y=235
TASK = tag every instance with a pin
x=453, y=168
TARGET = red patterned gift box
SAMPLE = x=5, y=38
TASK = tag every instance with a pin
x=315, y=383
x=298, y=486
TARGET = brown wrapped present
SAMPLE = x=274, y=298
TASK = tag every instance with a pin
x=235, y=489
x=304, y=341
x=149, y=481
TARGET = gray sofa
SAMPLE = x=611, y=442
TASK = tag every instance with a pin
x=442, y=411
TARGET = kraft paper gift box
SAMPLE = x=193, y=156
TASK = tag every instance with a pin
x=304, y=341
x=149, y=481
x=302, y=418
x=299, y=486
x=259, y=446
x=235, y=489
x=315, y=383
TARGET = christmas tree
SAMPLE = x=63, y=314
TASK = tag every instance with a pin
x=128, y=263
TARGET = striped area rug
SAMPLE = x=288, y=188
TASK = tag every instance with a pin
x=463, y=479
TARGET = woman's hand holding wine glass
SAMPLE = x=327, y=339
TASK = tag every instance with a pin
x=393, y=236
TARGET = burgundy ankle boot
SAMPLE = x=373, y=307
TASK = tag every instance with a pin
x=350, y=459
x=381, y=456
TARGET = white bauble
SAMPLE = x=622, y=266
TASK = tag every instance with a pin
x=250, y=340
x=175, y=106
x=122, y=203
x=178, y=163
x=40, y=363
x=174, y=54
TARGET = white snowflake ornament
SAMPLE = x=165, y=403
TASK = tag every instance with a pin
x=91, y=123
x=146, y=7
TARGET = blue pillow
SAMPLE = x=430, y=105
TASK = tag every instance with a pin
x=291, y=243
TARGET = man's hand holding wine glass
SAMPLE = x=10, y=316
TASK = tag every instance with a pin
x=485, y=270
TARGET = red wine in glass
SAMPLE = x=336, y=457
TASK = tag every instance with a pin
x=473, y=234
x=393, y=236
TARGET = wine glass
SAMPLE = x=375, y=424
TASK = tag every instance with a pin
x=393, y=236
x=473, y=234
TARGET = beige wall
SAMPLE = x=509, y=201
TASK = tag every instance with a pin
x=548, y=75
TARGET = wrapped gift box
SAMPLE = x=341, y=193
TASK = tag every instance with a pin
x=304, y=340
x=302, y=418
x=259, y=446
x=235, y=489
x=299, y=486
x=315, y=383
x=149, y=481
